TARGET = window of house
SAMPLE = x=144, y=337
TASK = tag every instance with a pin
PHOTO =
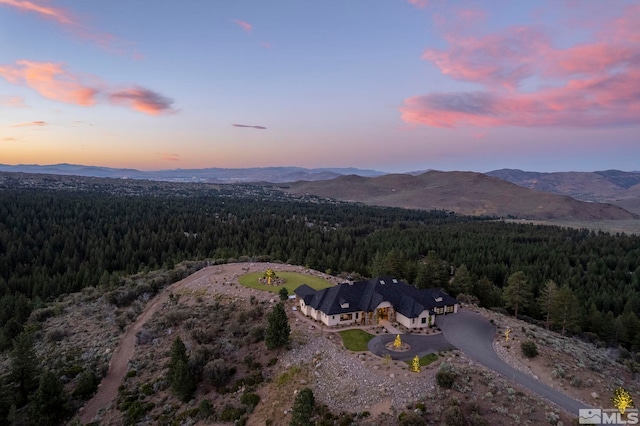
x=424, y=320
x=449, y=309
x=346, y=317
x=333, y=317
x=439, y=310
x=356, y=315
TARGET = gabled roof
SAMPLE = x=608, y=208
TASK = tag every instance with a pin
x=368, y=295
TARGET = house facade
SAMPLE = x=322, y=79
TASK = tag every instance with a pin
x=368, y=302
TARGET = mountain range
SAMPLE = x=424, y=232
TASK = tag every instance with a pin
x=467, y=193
x=208, y=175
x=609, y=186
x=601, y=195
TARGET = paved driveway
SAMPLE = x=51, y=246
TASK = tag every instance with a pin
x=473, y=335
x=420, y=345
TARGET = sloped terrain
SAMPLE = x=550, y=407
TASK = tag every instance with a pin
x=462, y=192
x=212, y=314
x=609, y=186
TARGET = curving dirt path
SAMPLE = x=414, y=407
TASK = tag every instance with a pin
x=108, y=389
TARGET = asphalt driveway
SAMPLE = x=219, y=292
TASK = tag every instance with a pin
x=473, y=335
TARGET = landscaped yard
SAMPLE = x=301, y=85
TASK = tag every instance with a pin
x=292, y=280
x=426, y=360
x=355, y=340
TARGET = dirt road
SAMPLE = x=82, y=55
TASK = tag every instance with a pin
x=207, y=277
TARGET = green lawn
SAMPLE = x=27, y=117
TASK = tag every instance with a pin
x=355, y=340
x=426, y=360
x=292, y=280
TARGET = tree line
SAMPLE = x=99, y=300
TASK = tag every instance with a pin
x=56, y=242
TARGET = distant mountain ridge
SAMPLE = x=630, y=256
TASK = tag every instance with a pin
x=208, y=175
x=467, y=193
x=608, y=186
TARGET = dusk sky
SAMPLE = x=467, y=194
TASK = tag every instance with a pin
x=392, y=85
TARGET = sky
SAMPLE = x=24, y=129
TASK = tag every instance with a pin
x=390, y=85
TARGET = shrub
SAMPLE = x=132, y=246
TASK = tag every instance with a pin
x=250, y=399
x=284, y=293
x=411, y=419
x=205, y=409
x=453, y=416
x=529, y=349
x=445, y=378
x=218, y=373
x=87, y=385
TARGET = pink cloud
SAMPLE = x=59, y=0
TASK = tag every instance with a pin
x=593, y=83
x=170, y=157
x=54, y=82
x=600, y=101
x=30, y=124
x=73, y=23
x=59, y=15
x=51, y=81
x=265, y=44
x=244, y=25
x=420, y=4
x=10, y=139
x=143, y=100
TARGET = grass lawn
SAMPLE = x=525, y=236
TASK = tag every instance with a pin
x=292, y=280
x=355, y=340
x=426, y=360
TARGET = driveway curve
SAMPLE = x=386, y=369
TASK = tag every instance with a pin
x=419, y=345
x=473, y=335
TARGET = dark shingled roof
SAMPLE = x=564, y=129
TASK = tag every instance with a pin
x=367, y=295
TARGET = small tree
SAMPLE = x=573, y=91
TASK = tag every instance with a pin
x=181, y=380
x=517, y=293
x=529, y=349
x=24, y=368
x=49, y=402
x=284, y=293
x=303, y=407
x=278, y=330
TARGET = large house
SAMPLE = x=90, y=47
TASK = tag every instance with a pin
x=367, y=302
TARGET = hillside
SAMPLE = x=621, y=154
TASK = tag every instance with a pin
x=610, y=186
x=466, y=193
x=210, y=311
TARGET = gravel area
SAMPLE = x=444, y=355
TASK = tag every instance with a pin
x=352, y=382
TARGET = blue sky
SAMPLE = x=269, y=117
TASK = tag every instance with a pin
x=391, y=85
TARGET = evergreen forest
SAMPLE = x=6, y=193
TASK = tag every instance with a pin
x=54, y=242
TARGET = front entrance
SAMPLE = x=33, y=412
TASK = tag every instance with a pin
x=383, y=314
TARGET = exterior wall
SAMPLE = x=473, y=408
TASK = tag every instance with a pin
x=403, y=320
x=413, y=323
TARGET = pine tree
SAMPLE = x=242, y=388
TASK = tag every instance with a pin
x=49, y=402
x=303, y=407
x=462, y=281
x=24, y=368
x=564, y=309
x=178, y=353
x=546, y=299
x=432, y=272
x=278, y=330
x=181, y=380
x=183, y=384
x=517, y=293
